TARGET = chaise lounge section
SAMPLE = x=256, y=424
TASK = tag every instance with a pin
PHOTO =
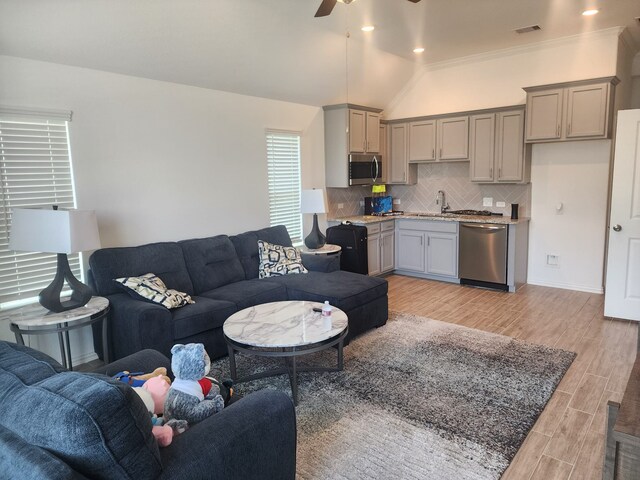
x=221, y=275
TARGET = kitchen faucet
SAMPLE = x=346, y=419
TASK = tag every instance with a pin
x=440, y=200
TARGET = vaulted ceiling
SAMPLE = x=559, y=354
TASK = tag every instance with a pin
x=277, y=49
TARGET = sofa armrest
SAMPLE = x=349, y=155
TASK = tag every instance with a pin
x=252, y=439
x=321, y=263
x=20, y=459
x=135, y=325
x=144, y=361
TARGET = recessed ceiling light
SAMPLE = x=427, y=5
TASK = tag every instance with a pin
x=418, y=50
x=368, y=28
x=591, y=11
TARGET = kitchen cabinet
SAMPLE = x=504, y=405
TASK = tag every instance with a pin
x=400, y=172
x=384, y=153
x=437, y=140
x=380, y=247
x=570, y=111
x=348, y=129
x=364, y=131
x=497, y=151
x=428, y=248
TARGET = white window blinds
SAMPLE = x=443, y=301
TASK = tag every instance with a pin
x=35, y=171
x=283, y=157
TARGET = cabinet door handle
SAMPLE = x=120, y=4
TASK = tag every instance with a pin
x=569, y=128
x=440, y=152
x=421, y=240
x=499, y=172
x=558, y=131
x=428, y=241
x=364, y=146
x=491, y=173
x=433, y=153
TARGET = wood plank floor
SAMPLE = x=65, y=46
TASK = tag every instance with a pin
x=567, y=441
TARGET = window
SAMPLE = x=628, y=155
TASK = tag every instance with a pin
x=35, y=171
x=283, y=158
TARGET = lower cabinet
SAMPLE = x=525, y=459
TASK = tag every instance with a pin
x=381, y=247
x=427, y=247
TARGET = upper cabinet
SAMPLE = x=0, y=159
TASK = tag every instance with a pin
x=570, y=111
x=349, y=129
x=436, y=140
x=400, y=171
x=364, y=131
x=497, y=150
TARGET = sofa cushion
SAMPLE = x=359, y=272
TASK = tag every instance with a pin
x=246, y=245
x=164, y=259
x=344, y=290
x=97, y=426
x=278, y=260
x=211, y=262
x=248, y=293
x=204, y=315
x=151, y=288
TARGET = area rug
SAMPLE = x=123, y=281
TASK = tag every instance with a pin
x=418, y=399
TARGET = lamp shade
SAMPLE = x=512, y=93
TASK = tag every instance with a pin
x=313, y=201
x=53, y=231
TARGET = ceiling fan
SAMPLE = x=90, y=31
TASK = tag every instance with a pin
x=327, y=6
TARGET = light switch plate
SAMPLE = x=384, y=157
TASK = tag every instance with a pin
x=501, y=204
x=553, y=260
x=487, y=202
x=340, y=205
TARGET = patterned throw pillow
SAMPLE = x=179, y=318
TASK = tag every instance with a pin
x=276, y=260
x=150, y=287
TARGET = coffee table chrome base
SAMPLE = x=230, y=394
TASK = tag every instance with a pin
x=289, y=354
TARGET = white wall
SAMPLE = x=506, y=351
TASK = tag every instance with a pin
x=573, y=174
x=161, y=161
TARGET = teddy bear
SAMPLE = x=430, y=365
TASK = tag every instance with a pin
x=191, y=396
x=162, y=433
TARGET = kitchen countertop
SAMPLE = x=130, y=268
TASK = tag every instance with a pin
x=441, y=217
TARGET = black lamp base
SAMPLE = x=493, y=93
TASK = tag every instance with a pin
x=80, y=293
x=315, y=239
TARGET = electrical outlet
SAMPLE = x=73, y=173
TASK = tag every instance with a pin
x=340, y=205
x=487, y=201
x=362, y=203
x=501, y=204
x=553, y=260
x=397, y=201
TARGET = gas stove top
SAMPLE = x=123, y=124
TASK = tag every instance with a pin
x=395, y=213
x=479, y=213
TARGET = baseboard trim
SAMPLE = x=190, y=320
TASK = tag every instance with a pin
x=567, y=286
x=84, y=358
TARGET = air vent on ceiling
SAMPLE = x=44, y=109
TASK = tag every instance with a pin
x=530, y=28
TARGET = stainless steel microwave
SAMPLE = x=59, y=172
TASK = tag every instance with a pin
x=365, y=169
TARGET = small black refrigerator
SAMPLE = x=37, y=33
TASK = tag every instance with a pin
x=353, y=240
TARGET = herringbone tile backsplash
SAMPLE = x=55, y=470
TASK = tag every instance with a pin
x=452, y=178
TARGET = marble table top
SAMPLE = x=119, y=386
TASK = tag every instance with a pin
x=35, y=315
x=283, y=324
x=324, y=250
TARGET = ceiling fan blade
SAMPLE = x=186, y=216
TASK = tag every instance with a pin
x=325, y=8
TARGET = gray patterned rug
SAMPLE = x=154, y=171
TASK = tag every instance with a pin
x=418, y=399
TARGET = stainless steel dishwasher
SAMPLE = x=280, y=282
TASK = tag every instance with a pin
x=483, y=255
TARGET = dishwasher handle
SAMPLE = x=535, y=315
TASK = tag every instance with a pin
x=484, y=227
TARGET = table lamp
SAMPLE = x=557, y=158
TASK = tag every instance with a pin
x=313, y=201
x=61, y=232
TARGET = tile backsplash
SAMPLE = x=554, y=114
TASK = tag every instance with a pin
x=452, y=178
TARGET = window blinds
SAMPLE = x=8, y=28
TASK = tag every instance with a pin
x=283, y=158
x=35, y=171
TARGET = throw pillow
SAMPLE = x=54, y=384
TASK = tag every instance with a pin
x=276, y=260
x=149, y=287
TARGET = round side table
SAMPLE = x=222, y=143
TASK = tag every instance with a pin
x=37, y=320
x=326, y=249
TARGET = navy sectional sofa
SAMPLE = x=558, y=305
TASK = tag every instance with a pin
x=57, y=424
x=221, y=275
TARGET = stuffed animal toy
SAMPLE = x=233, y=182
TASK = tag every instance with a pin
x=162, y=433
x=191, y=397
x=158, y=387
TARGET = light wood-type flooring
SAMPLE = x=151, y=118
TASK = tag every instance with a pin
x=567, y=441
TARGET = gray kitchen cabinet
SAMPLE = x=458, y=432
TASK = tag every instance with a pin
x=497, y=152
x=348, y=129
x=422, y=141
x=380, y=248
x=384, y=152
x=411, y=251
x=442, y=139
x=442, y=254
x=400, y=171
x=427, y=248
x=364, y=131
x=570, y=111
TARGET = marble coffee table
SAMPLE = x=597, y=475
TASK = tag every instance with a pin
x=287, y=330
